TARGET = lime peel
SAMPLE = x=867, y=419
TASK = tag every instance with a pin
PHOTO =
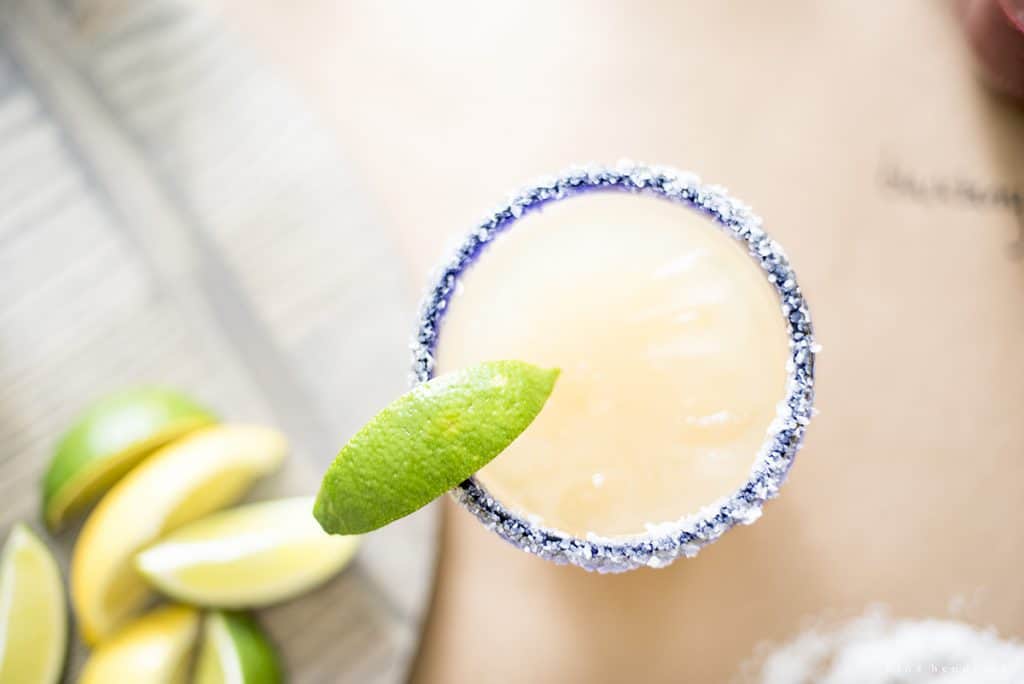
x=429, y=440
x=236, y=651
x=110, y=438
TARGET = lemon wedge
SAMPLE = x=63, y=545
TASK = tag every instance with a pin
x=155, y=649
x=33, y=614
x=247, y=557
x=109, y=439
x=235, y=651
x=180, y=483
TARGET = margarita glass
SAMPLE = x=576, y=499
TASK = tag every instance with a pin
x=687, y=356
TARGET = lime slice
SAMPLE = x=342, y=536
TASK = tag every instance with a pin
x=108, y=440
x=235, y=651
x=247, y=557
x=154, y=648
x=33, y=614
x=427, y=441
x=180, y=483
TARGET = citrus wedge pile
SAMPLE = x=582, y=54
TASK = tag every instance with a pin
x=163, y=470
x=108, y=440
x=160, y=470
x=160, y=648
x=180, y=483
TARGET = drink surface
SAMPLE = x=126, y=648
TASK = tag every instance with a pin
x=673, y=355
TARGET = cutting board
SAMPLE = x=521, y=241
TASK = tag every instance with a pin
x=171, y=214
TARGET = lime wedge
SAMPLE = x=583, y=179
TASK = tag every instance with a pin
x=108, y=440
x=427, y=441
x=33, y=614
x=182, y=482
x=155, y=649
x=246, y=557
x=235, y=651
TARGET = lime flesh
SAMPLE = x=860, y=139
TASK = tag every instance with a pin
x=33, y=612
x=154, y=649
x=246, y=557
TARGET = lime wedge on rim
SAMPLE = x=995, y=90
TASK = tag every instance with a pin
x=33, y=612
x=236, y=651
x=246, y=557
x=108, y=440
x=182, y=482
x=154, y=648
x=427, y=441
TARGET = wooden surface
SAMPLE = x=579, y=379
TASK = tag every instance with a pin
x=171, y=213
x=859, y=131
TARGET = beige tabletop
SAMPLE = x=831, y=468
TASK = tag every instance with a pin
x=858, y=130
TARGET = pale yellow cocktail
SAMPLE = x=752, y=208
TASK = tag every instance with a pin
x=672, y=350
x=686, y=364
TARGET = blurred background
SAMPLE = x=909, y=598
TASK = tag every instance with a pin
x=245, y=199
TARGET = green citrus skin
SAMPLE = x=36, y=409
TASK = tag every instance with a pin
x=427, y=441
x=108, y=440
x=257, y=659
x=261, y=666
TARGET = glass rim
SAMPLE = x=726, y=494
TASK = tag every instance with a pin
x=663, y=542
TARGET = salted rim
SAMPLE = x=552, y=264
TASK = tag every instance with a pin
x=665, y=542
